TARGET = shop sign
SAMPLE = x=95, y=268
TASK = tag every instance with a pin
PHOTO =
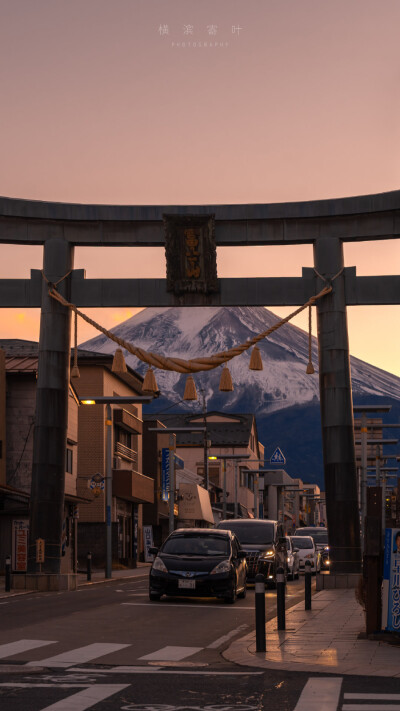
x=148, y=542
x=391, y=581
x=20, y=532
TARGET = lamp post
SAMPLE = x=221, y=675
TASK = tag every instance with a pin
x=108, y=401
x=173, y=431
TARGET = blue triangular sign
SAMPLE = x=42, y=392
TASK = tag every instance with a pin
x=278, y=457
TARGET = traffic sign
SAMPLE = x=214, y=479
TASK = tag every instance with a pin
x=278, y=457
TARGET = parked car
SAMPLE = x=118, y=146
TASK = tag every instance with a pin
x=307, y=552
x=199, y=562
x=292, y=564
x=258, y=537
x=320, y=537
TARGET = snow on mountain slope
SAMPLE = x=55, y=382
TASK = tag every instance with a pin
x=190, y=332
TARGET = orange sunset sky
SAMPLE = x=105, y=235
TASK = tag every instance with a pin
x=202, y=102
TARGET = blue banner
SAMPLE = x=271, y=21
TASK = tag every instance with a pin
x=164, y=474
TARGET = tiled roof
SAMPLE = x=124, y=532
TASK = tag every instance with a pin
x=221, y=434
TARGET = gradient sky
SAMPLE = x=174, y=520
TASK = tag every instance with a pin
x=298, y=100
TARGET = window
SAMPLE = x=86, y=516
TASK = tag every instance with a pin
x=68, y=461
x=247, y=479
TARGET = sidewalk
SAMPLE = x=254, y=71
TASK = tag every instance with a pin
x=141, y=571
x=324, y=639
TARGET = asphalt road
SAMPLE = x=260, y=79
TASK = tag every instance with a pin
x=107, y=647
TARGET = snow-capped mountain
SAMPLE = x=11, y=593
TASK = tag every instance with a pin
x=283, y=397
x=190, y=332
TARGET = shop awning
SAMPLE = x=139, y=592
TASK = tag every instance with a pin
x=195, y=503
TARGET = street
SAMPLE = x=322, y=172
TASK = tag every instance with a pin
x=106, y=646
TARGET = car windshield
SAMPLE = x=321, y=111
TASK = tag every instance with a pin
x=196, y=545
x=299, y=542
x=251, y=533
x=319, y=536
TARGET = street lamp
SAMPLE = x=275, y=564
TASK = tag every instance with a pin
x=173, y=431
x=108, y=401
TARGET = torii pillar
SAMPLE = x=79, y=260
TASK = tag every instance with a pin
x=337, y=411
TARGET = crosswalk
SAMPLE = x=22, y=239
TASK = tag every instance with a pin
x=324, y=693
x=319, y=693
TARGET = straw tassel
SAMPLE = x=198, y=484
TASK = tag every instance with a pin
x=310, y=368
x=149, y=382
x=75, y=370
x=119, y=365
x=190, y=389
x=225, y=384
x=255, y=359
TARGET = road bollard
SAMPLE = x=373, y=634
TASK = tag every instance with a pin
x=307, y=586
x=260, y=612
x=280, y=598
x=8, y=574
x=89, y=566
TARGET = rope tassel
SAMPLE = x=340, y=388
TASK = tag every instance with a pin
x=119, y=365
x=255, y=359
x=149, y=382
x=75, y=370
x=310, y=368
x=225, y=384
x=190, y=389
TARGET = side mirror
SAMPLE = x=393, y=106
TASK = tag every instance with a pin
x=296, y=550
x=242, y=554
x=153, y=550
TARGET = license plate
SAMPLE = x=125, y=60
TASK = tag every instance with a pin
x=188, y=584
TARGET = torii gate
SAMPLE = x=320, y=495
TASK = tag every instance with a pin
x=326, y=224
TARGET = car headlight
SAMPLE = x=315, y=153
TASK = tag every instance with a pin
x=159, y=565
x=288, y=559
x=223, y=567
x=267, y=554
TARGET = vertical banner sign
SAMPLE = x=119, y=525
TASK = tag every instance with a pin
x=164, y=474
x=391, y=581
x=20, y=530
x=148, y=543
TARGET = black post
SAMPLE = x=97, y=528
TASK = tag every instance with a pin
x=89, y=566
x=8, y=574
x=307, y=586
x=280, y=598
x=260, y=612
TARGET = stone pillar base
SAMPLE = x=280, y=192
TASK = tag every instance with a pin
x=331, y=581
x=44, y=582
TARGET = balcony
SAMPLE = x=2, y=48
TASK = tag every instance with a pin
x=125, y=453
x=132, y=486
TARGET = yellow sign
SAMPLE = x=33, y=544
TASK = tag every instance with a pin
x=40, y=550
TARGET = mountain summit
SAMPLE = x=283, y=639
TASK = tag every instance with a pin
x=283, y=397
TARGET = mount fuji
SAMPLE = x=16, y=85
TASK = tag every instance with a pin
x=284, y=399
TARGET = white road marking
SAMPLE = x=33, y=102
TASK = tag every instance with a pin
x=221, y=640
x=374, y=697
x=88, y=697
x=172, y=654
x=79, y=655
x=8, y=650
x=23, y=685
x=233, y=608
x=370, y=707
x=320, y=694
x=159, y=670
